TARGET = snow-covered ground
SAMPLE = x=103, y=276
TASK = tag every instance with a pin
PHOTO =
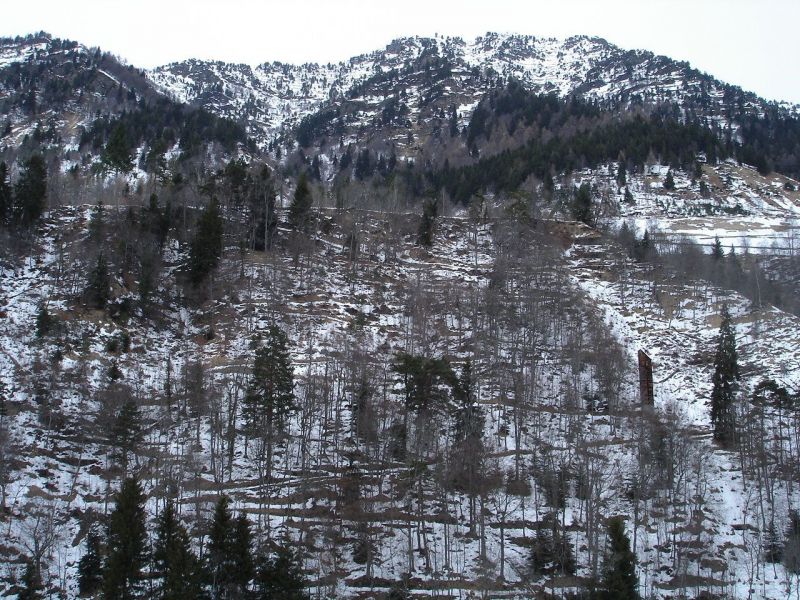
x=534, y=326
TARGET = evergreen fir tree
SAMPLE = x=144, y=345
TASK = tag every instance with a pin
x=628, y=196
x=126, y=543
x=30, y=192
x=99, y=285
x=97, y=222
x=430, y=210
x=669, y=181
x=773, y=545
x=300, y=208
x=5, y=194
x=126, y=432
x=117, y=155
x=791, y=546
x=582, y=204
x=622, y=177
x=551, y=552
x=220, y=560
x=44, y=322
x=399, y=590
x=281, y=577
x=619, y=581
x=206, y=246
x=31, y=583
x=175, y=564
x=717, y=251
x=270, y=396
x=90, y=566
x=726, y=372
x=241, y=551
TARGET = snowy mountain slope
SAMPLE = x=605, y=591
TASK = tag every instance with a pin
x=532, y=325
x=273, y=96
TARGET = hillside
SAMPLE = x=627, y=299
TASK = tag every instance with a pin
x=391, y=309
x=274, y=96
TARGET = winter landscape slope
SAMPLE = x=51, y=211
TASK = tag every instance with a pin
x=273, y=96
x=529, y=427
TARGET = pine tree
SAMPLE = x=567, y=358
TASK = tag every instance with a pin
x=5, y=194
x=619, y=581
x=726, y=372
x=669, y=181
x=551, y=552
x=717, y=251
x=175, y=564
x=220, y=563
x=30, y=192
x=97, y=222
x=206, y=246
x=44, y=322
x=126, y=432
x=99, y=285
x=622, y=177
x=629, y=199
x=582, y=204
x=117, y=155
x=430, y=210
x=241, y=552
x=270, y=396
x=791, y=546
x=281, y=577
x=773, y=545
x=300, y=208
x=31, y=583
x=90, y=566
x=126, y=543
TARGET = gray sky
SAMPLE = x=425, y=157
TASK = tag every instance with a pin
x=751, y=43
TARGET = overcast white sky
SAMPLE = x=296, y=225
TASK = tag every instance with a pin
x=751, y=43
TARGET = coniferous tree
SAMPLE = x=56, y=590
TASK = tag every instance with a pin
x=5, y=194
x=629, y=199
x=726, y=373
x=619, y=581
x=206, y=246
x=773, y=545
x=467, y=455
x=551, y=552
x=791, y=546
x=30, y=192
x=97, y=222
x=31, y=583
x=175, y=564
x=669, y=181
x=399, y=590
x=430, y=210
x=99, y=284
x=90, y=566
x=126, y=432
x=270, y=396
x=126, y=543
x=622, y=178
x=220, y=559
x=44, y=322
x=300, y=208
x=117, y=155
x=281, y=577
x=717, y=251
x=242, y=556
x=582, y=204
